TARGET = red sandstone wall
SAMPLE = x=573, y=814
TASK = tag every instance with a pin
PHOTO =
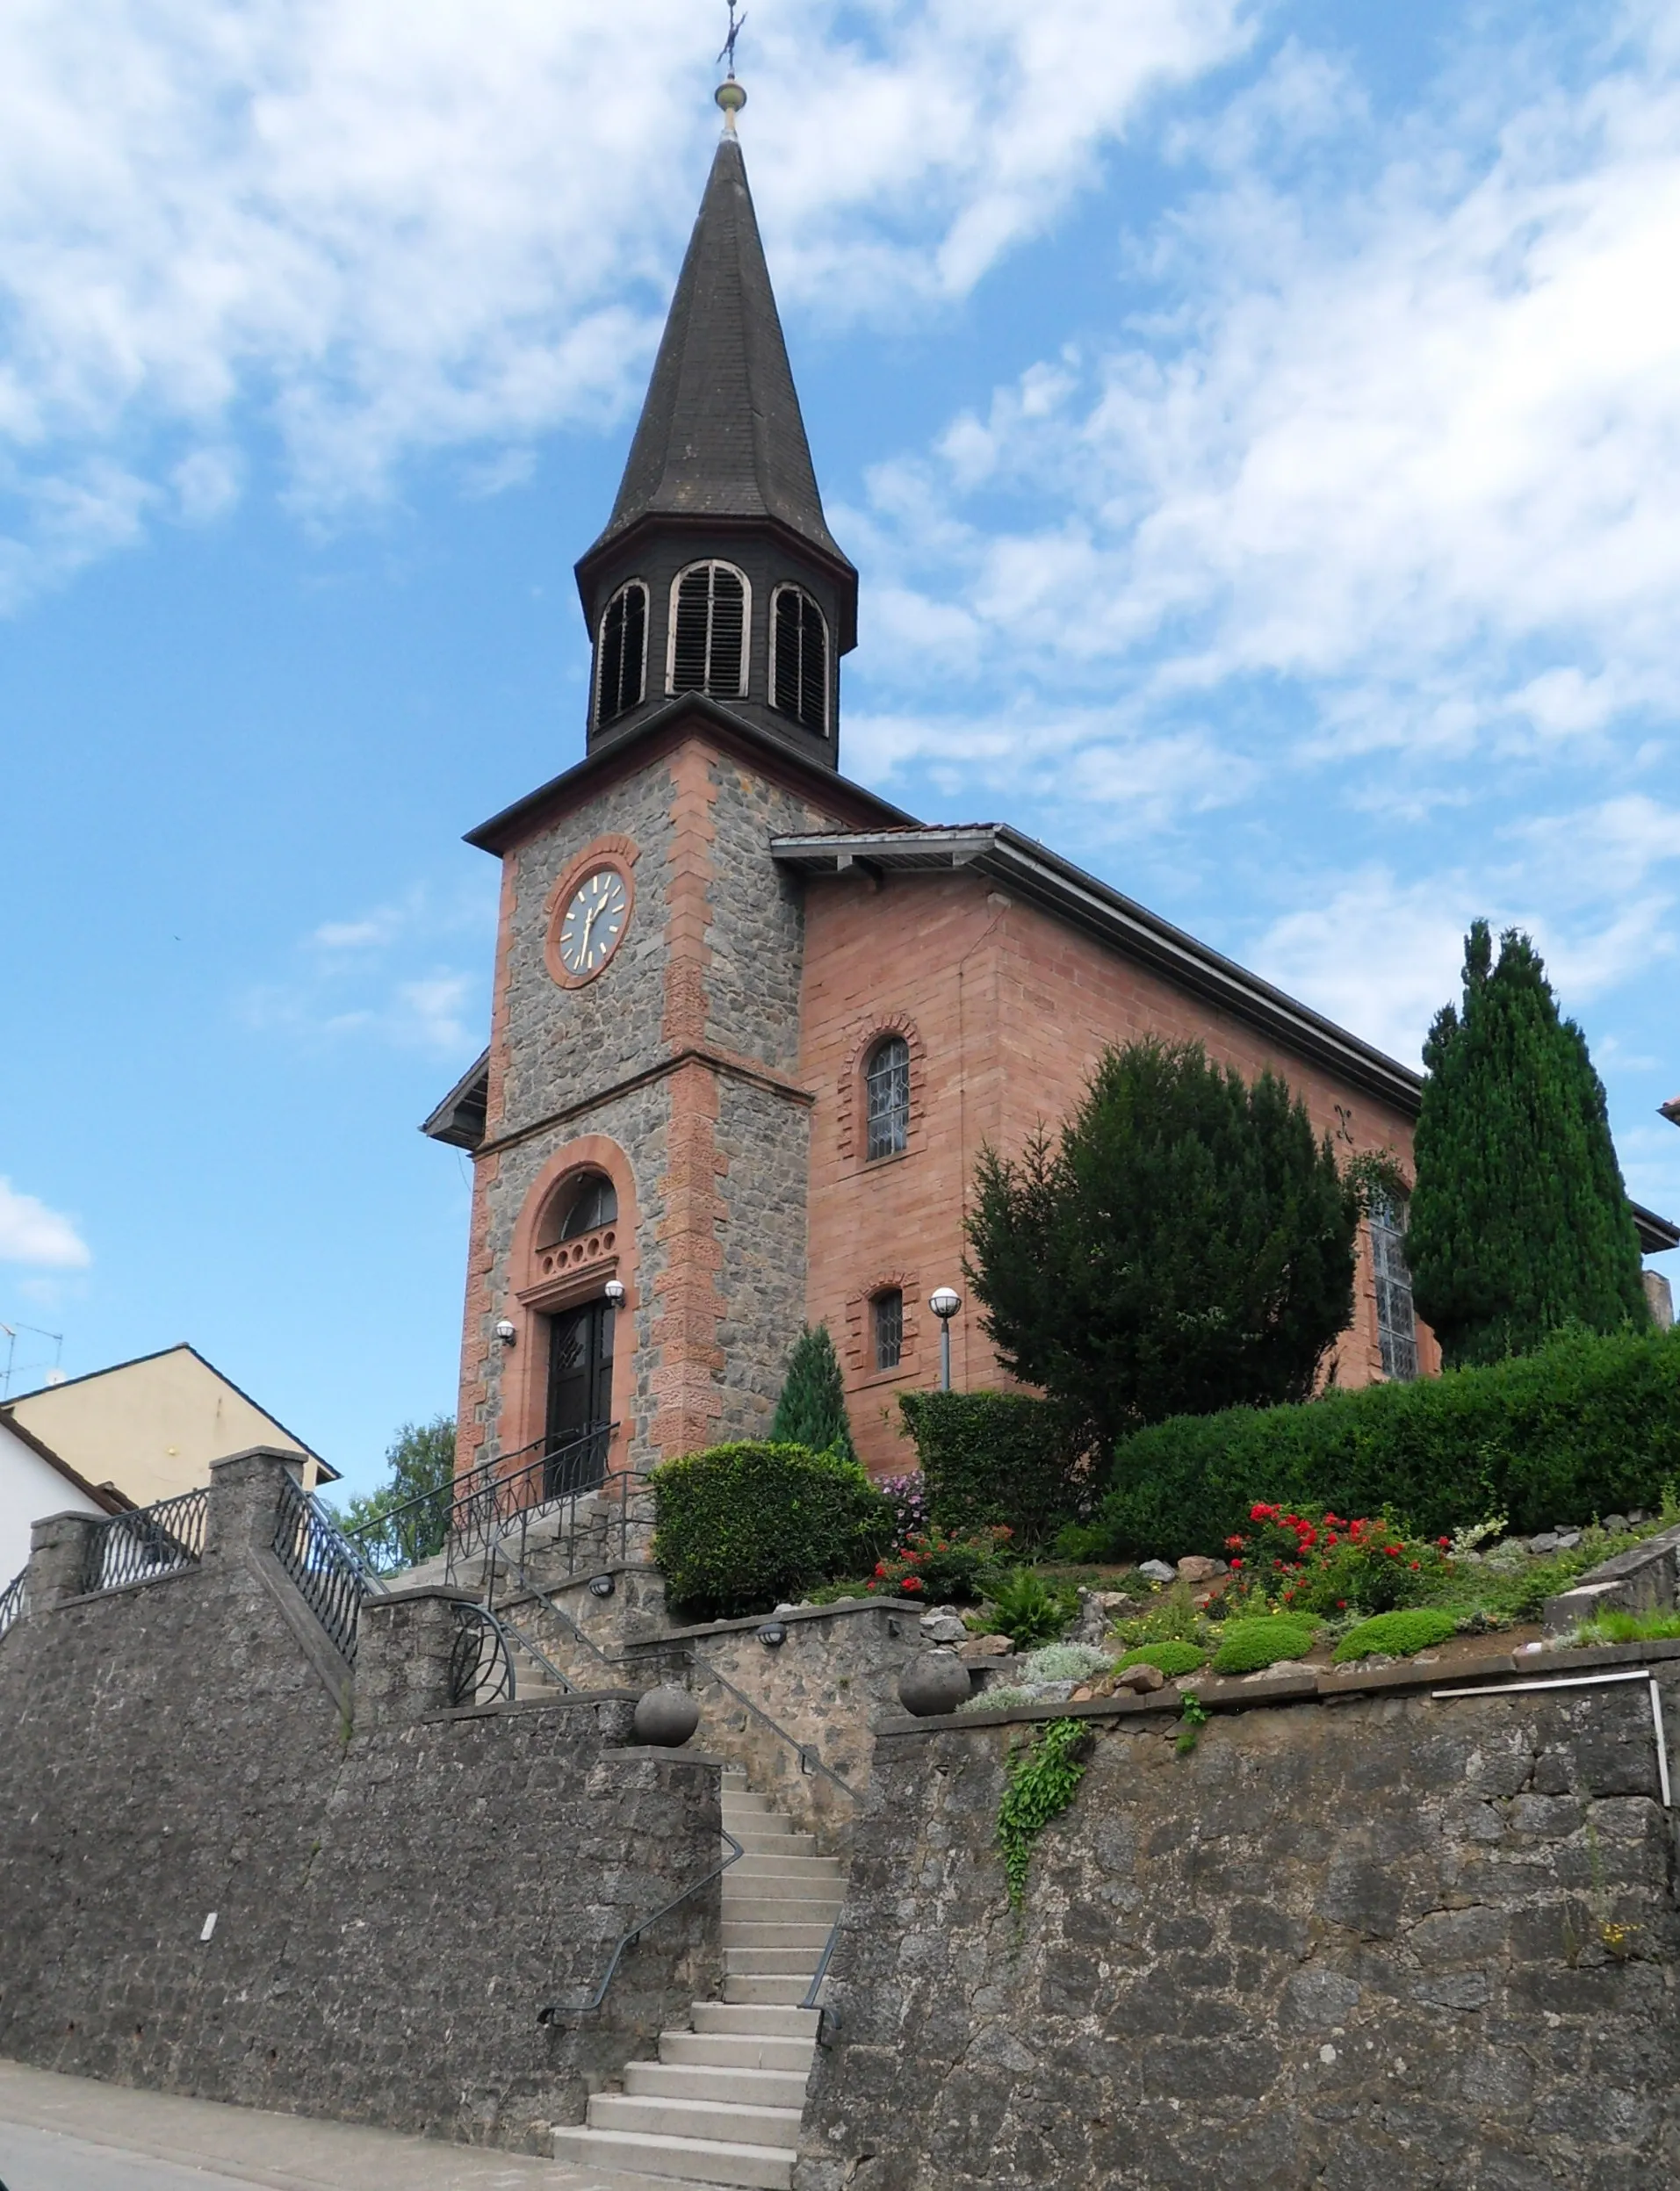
x=1006, y=1011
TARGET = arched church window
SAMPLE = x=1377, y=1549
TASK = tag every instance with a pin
x=886, y=1083
x=621, y=653
x=800, y=658
x=710, y=604
x=581, y=1206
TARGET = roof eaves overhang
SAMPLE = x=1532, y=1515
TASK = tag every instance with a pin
x=1657, y=1235
x=1037, y=874
x=504, y=830
x=458, y=1120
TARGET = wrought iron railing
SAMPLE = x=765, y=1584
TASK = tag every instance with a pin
x=320, y=1563
x=544, y=1482
x=811, y=1760
x=14, y=1601
x=151, y=1541
x=481, y=1663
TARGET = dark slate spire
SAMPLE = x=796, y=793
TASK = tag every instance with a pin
x=721, y=435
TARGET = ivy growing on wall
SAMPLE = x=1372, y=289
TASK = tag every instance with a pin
x=1044, y=1778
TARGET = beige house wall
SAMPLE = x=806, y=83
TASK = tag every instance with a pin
x=151, y=1428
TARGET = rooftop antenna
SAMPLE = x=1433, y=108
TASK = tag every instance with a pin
x=54, y=1374
x=729, y=94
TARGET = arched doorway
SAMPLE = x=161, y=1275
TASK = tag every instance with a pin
x=578, y=1410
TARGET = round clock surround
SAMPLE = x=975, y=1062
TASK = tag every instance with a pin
x=590, y=919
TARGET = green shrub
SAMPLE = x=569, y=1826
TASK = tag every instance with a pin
x=1026, y=1608
x=1006, y=1696
x=811, y=1411
x=1246, y=1646
x=1397, y=1635
x=1064, y=1662
x=938, y=1568
x=1586, y=1426
x=992, y=1458
x=1170, y=1659
x=739, y=1528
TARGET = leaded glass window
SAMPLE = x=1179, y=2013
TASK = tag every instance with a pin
x=887, y=1084
x=621, y=662
x=1396, y=1319
x=889, y=1310
x=708, y=632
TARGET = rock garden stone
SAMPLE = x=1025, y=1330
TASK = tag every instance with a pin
x=1567, y=1539
x=933, y=1685
x=980, y=1647
x=1142, y=1679
x=1545, y=1543
x=1616, y=1524
x=1197, y=1568
x=943, y=1628
x=1158, y=1570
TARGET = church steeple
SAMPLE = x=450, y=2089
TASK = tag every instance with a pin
x=717, y=571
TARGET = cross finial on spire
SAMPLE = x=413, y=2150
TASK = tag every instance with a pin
x=729, y=94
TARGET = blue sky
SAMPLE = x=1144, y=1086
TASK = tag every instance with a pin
x=1257, y=428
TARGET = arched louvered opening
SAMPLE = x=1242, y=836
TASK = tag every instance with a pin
x=709, y=630
x=621, y=653
x=799, y=670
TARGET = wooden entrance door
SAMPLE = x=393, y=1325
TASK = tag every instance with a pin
x=580, y=1397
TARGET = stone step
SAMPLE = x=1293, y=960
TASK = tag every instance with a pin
x=759, y=1909
x=764, y=2020
x=725, y=2121
x=738, y=2050
x=745, y=1962
x=689, y=2159
x=754, y=1932
x=750, y=1988
x=737, y=1801
x=730, y=2082
x=764, y=1841
x=761, y=1866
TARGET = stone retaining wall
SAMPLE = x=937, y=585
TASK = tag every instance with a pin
x=212, y=1881
x=1373, y=1939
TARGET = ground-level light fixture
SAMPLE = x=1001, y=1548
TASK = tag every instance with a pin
x=506, y=1333
x=773, y=1635
x=601, y=1586
x=945, y=1304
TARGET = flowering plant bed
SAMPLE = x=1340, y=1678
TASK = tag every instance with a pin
x=940, y=1568
x=1317, y=1562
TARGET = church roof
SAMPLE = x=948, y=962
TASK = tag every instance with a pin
x=721, y=434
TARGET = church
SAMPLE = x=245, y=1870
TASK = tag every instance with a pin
x=752, y=1025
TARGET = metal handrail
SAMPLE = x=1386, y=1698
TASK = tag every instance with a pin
x=818, y=1977
x=473, y=1625
x=324, y=1571
x=14, y=1601
x=532, y=1650
x=547, y=2014
x=147, y=1542
x=810, y=1758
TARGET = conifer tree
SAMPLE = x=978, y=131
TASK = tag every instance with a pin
x=811, y=1411
x=1520, y=1223
x=1186, y=1245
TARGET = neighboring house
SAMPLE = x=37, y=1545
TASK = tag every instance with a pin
x=36, y=1481
x=148, y=1429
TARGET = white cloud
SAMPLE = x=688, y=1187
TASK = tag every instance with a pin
x=388, y=228
x=30, y=1233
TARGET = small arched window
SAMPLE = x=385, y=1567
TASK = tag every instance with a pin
x=886, y=1084
x=887, y=1315
x=709, y=617
x=799, y=659
x=621, y=653
x=582, y=1206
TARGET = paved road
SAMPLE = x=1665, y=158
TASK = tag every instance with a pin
x=69, y=2133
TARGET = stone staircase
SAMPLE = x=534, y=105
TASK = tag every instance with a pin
x=723, y=2103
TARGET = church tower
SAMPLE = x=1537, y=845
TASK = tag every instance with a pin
x=640, y=1126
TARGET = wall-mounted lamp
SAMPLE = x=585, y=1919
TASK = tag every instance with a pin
x=601, y=1586
x=945, y=1304
x=773, y=1635
x=615, y=1293
x=506, y=1334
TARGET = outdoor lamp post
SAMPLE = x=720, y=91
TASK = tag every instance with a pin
x=945, y=1304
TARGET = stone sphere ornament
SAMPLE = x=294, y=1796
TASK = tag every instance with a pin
x=666, y=1718
x=934, y=1683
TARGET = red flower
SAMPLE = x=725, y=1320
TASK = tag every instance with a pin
x=1236, y=1563
x=1233, y=1544
x=912, y=1582
x=1393, y=1551
x=1445, y=1543
x=1331, y=1539
x=1415, y=1565
x=1341, y=1604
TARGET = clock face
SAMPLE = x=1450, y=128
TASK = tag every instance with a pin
x=593, y=922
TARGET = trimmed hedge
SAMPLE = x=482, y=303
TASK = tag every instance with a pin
x=993, y=1459
x=1248, y=1647
x=738, y=1529
x=1400, y=1635
x=1587, y=1425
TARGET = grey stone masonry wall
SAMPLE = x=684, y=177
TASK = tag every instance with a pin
x=758, y=929
x=765, y=1141
x=825, y=1685
x=395, y=1902
x=1384, y=1944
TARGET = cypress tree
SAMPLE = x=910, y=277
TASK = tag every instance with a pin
x=1186, y=1246
x=811, y=1411
x=1519, y=1221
